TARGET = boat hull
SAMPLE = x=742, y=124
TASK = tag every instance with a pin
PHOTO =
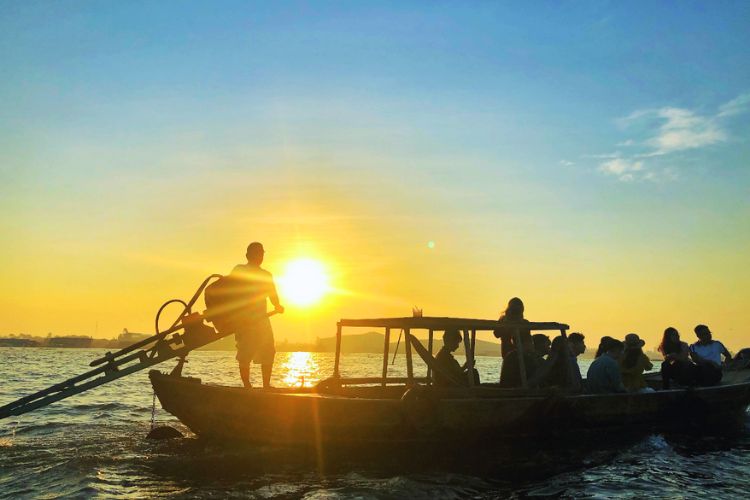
x=304, y=416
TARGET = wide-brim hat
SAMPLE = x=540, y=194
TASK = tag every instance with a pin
x=633, y=340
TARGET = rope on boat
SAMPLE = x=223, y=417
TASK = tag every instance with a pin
x=153, y=411
x=395, y=351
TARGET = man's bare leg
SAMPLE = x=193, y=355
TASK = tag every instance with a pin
x=266, y=370
x=245, y=375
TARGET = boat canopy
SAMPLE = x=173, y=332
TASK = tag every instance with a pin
x=469, y=326
x=440, y=323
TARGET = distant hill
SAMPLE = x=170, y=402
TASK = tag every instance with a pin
x=372, y=342
x=369, y=342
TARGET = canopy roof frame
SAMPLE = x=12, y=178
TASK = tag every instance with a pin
x=446, y=323
x=432, y=324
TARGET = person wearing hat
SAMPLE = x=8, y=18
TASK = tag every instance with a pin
x=706, y=354
x=633, y=363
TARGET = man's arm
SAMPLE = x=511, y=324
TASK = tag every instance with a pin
x=273, y=296
x=725, y=352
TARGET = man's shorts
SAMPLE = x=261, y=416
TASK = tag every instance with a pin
x=255, y=343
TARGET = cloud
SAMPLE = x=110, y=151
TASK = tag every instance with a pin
x=661, y=132
x=682, y=129
x=604, y=156
x=566, y=163
x=622, y=168
x=736, y=106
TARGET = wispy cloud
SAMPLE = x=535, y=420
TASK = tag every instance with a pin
x=625, y=170
x=736, y=106
x=604, y=156
x=567, y=163
x=682, y=129
x=665, y=131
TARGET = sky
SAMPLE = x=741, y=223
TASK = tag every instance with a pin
x=591, y=158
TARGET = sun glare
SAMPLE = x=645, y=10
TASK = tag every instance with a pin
x=304, y=282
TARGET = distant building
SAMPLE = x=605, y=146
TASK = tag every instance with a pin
x=18, y=342
x=127, y=338
x=69, y=341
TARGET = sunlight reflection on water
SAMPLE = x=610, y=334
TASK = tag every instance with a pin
x=300, y=369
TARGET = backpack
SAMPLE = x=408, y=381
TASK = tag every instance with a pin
x=224, y=303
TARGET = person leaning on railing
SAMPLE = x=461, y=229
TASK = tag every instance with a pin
x=513, y=314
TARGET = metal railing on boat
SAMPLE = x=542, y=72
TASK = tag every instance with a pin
x=164, y=345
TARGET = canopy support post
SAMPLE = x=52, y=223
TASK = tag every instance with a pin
x=469, y=358
x=521, y=361
x=429, y=346
x=338, y=351
x=386, y=347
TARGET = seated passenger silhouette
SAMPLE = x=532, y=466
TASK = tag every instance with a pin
x=542, y=346
x=633, y=363
x=561, y=368
x=707, y=353
x=677, y=365
x=604, y=373
x=448, y=372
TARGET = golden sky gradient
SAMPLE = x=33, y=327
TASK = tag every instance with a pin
x=94, y=262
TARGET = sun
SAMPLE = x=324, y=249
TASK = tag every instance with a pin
x=304, y=282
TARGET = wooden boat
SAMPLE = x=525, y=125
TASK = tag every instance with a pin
x=390, y=409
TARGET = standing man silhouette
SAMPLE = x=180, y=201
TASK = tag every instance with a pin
x=253, y=333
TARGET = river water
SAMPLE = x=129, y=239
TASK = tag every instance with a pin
x=93, y=445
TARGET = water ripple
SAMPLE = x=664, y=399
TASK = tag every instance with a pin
x=93, y=445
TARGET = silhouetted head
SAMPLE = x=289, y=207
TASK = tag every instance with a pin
x=703, y=333
x=558, y=344
x=633, y=349
x=671, y=334
x=615, y=348
x=451, y=339
x=670, y=341
x=542, y=344
x=514, y=311
x=604, y=344
x=633, y=341
x=255, y=253
x=576, y=343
